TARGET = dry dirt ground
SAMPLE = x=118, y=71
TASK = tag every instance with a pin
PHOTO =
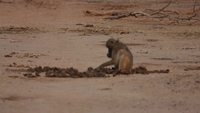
x=72, y=33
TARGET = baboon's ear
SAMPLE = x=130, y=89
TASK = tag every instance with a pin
x=112, y=41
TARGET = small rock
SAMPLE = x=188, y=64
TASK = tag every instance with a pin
x=89, y=25
x=7, y=55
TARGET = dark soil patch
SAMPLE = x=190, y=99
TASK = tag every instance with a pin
x=14, y=98
x=105, y=89
x=11, y=98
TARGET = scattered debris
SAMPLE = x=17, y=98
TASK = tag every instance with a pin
x=18, y=30
x=135, y=44
x=116, y=6
x=31, y=75
x=119, y=15
x=92, y=29
x=14, y=67
x=7, y=1
x=92, y=13
x=14, y=77
x=43, y=4
x=23, y=55
x=7, y=55
x=162, y=58
x=192, y=68
x=105, y=89
x=152, y=40
x=10, y=54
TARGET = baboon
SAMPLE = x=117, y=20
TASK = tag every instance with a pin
x=121, y=56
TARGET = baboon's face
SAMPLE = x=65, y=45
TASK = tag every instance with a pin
x=110, y=44
x=109, y=54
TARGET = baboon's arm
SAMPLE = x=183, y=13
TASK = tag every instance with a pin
x=108, y=63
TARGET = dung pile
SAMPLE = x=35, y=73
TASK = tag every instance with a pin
x=67, y=72
x=74, y=73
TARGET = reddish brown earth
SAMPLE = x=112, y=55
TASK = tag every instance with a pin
x=72, y=33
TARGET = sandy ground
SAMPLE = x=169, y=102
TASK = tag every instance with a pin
x=59, y=33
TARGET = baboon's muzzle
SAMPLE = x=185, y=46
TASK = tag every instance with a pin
x=109, y=54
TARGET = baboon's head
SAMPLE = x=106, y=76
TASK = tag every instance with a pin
x=110, y=44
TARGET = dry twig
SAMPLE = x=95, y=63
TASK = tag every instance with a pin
x=161, y=13
x=163, y=8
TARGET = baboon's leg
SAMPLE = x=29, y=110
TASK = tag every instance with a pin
x=125, y=64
